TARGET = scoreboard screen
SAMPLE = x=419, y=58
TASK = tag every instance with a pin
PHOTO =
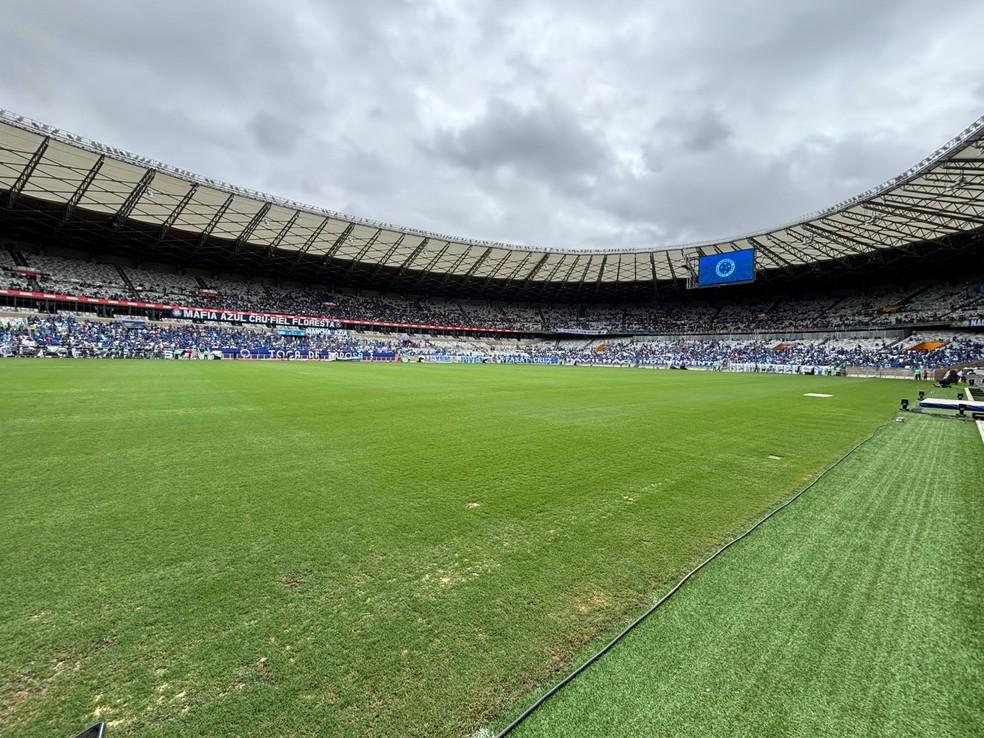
x=733, y=267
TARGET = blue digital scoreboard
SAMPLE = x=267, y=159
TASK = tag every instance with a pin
x=734, y=267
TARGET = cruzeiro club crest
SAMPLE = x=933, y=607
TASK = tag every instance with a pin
x=725, y=268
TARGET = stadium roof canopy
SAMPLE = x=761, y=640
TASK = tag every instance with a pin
x=57, y=184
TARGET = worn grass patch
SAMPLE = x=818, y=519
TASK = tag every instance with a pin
x=293, y=549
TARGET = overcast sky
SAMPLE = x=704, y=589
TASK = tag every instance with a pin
x=567, y=123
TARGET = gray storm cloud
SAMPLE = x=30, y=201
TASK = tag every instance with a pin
x=570, y=124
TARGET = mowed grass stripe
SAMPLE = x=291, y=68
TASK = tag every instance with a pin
x=222, y=548
x=858, y=611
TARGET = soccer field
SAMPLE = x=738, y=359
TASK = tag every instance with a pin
x=255, y=549
x=857, y=611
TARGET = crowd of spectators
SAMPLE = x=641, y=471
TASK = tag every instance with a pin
x=72, y=336
x=885, y=306
x=9, y=278
x=869, y=353
x=166, y=287
x=66, y=335
x=77, y=277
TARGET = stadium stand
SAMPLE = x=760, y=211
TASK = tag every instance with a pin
x=869, y=282
x=77, y=277
x=159, y=286
x=69, y=335
x=879, y=306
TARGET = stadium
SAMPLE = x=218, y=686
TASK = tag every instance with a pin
x=272, y=469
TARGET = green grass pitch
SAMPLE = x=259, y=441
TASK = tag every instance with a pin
x=858, y=611
x=259, y=549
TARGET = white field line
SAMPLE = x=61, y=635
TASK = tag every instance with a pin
x=980, y=427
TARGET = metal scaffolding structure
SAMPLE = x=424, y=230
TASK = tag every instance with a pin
x=56, y=186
